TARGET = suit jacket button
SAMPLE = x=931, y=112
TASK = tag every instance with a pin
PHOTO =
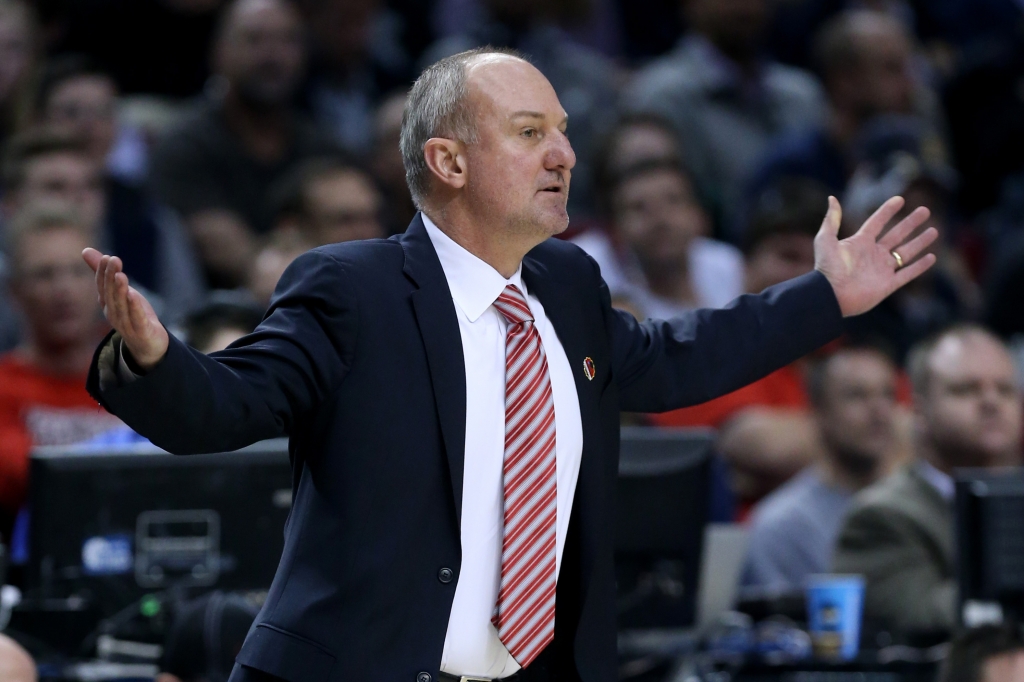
x=423, y=677
x=445, y=575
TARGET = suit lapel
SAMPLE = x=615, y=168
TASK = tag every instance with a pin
x=439, y=327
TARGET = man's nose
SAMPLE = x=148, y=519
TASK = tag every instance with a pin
x=560, y=155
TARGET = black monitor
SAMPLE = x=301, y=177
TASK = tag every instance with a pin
x=990, y=541
x=109, y=527
x=662, y=510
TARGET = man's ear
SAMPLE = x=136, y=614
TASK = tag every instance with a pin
x=446, y=161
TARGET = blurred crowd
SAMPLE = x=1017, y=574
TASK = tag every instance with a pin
x=207, y=143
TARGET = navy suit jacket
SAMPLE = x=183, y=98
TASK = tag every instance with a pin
x=359, y=361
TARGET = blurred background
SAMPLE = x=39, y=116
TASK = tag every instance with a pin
x=208, y=143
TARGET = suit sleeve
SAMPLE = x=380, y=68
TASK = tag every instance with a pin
x=906, y=590
x=259, y=387
x=663, y=365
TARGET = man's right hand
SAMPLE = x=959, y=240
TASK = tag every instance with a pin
x=128, y=311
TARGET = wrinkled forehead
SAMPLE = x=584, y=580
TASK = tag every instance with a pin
x=503, y=85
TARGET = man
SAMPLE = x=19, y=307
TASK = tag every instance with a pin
x=42, y=397
x=586, y=81
x=793, y=530
x=865, y=60
x=899, y=532
x=991, y=653
x=328, y=202
x=665, y=263
x=424, y=540
x=216, y=167
x=766, y=433
x=50, y=166
x=725, y=97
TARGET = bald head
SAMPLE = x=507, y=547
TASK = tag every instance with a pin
x=15, y=663
x=967, y=398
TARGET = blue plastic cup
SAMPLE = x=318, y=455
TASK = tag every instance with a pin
x=834, y=607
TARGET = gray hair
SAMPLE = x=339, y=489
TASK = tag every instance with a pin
x=436, y=108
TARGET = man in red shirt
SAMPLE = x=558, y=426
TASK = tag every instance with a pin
x=42, y=382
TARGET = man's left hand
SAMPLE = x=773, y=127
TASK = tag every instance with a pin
x=863, y=269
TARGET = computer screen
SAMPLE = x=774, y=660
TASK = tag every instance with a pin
x=110, y=527
x=990, y=538
x=662, y=510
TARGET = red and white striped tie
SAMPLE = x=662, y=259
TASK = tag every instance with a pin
x=525, y=612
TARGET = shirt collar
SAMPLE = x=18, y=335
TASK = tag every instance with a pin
x=474, y=284
x=942, y=482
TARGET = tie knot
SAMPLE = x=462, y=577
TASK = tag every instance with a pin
x=512, y=304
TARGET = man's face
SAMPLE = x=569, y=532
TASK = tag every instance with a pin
x=779, y=258
x=54, y=287
x=72, y=179
x=261, y=52
x=343, y=207
x=87, y=107
x=882, y=82
x=971, y=409
x=856, y=413
x=1008, y=667
x=658, y=217
x=520, y=166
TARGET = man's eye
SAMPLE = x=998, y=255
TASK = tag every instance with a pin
x=530, y=132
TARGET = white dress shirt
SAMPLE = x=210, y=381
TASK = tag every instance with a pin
x=471, y=646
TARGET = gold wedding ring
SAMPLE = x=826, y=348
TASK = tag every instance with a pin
x=899, y=259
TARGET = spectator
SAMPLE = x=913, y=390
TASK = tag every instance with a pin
x=18, y=49
x=899, y=532
x=46, y=166
x=793, y=530
x=767, y=435
x=386, y=164
x=634, y=139
x=357, y=59
x=991, y=653
x=665, y=263
x=329, y=201
x=205, y=637
x=865, y=58
x=42, y=383
x=586, y=82
x=224, y=319
x=726, y=99
x=78, y=97
x=15, y=663
x=217, y=166
x=896, y=165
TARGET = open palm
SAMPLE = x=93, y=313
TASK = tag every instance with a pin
x=862, y=268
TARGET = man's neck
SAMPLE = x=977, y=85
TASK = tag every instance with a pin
x=673, y=283
x=498, y=248
x=265, y=134
x=840, y=476
x=60, y=360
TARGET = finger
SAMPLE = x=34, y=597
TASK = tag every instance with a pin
x=909, y=251
x=137, y=310
x=904, y=228
x=874, y=225
x=101, y=280
x=92, y=258
x=914, y=270
x=833, y=219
